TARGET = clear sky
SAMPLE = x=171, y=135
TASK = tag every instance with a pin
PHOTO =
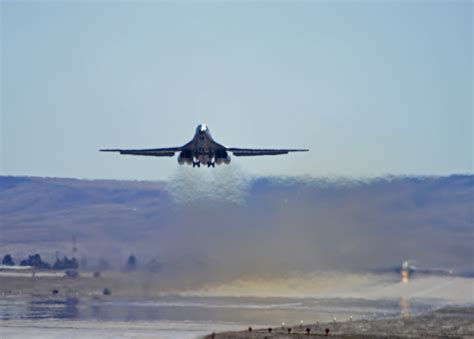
x=371, y=88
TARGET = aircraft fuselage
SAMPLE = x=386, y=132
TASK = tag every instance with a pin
x=202, y=149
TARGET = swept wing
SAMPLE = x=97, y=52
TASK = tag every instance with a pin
x=249, y=152
x=152, y=152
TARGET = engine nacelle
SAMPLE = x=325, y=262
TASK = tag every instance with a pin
x=221, y=161
x=222, y=157
x=184, y=158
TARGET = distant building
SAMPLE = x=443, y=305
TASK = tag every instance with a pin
x=15, y=268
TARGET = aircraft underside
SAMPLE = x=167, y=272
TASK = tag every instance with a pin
x=211, y=159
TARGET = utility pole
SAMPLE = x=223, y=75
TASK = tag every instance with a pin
x=74, y=246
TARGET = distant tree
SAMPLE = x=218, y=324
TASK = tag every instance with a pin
x=131, y=263
x=8, y=260
x=73, y=263
x=58, y=264
x=35, y=261
x=65, y=264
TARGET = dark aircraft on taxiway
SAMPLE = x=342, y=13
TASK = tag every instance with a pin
x=202, y=149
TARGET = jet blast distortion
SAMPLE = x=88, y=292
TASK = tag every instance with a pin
x=405, y=271
x=203, y=149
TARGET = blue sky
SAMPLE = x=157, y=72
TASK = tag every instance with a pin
x=371, y=88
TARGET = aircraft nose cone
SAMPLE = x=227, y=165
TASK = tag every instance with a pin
x=201, y=129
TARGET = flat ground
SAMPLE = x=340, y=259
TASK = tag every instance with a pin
x=448, y=322
x=120, y=284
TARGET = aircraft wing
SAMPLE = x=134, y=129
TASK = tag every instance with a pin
x=153, y=152
x=249, y=152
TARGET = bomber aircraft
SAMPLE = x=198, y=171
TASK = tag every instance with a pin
x=202, y=149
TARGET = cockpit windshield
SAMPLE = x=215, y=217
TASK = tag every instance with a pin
x=202, y=128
